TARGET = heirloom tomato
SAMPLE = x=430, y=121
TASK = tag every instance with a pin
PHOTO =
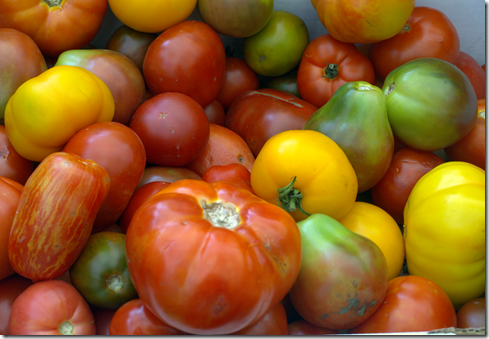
x=55, y=25
x=326, y=65
x=415, y=40
x=235, y=174
x=302, y=327
x=472, y=314
x=209, y=258
x=12, y=164
x=51, y=307
x=272, y=323
x=286, y=82
x=363, y=21
x=10, y=288
x=166, y=174
x=471, y=68
x=307, y=172
x=215, y=113
x=444, y=230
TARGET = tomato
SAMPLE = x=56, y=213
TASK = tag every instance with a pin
x=258, y=115
x=472, y=314
x=100, y=272
x=411, y=304
x=235, y=174
x=326, y=65
x=12, y=164
x=239, y=78
x=173, y=127
x=472, y=147
x=55, y=25
x=224, y=147
x=193, y=246
x=239, y=19
x=406, y=168
x=286, y=82
x=318, y=180
x=277, y=48
x=10, y=289
x=131, y=43
x=140, y=195
x=152, y=17
x=302, y=327
x=363, y=21
x=215, y=113
x=119, y=150
x=20, y=60
x=51, y=307
x=166, y=174
x=377, y=225
x=415, y=40
x=55, y=215
x=122, y=77
x=471, y=68
x=133, y=318
x=183, y=53
x=272, y=323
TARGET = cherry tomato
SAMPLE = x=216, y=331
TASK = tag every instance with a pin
x=472, y=314
x=471, y=68
x=10, y=289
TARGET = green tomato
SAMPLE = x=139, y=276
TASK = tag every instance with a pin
x=278, y=47
x=431, y=104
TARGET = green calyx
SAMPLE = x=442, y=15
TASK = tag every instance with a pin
x=331, y=71
x=289, y=198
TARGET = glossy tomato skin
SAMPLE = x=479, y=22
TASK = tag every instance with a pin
x=12, y=164
x=173, y=127
x=55, y=215
x=100, y=272
x=326, y=65
x=411, y=304
x=272, y=323
x=215, y=113
x=424, y=26
x=202, y=261
x=119, y=150
x=55, y=26
x=472, y=314
x=166, y=174
x=51, y=307
x=183, y=53
x=286, y=82
x=258, y=115
x=235, y=174
x=471, y=68
x=406, y=168
x=10, y=288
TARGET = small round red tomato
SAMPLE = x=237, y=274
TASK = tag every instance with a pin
x=55, y=25
x=326, y=65
x=51, y=307
x=173, y=127
x=10, y=289
x=12, y=164
x=166, y=174
x=239, y=78
x=235, y=174
x=424, y=26
x=411, y=304
x=302, y=327
x=272, y=323
x=215, y=113
x=406, y=168
x=472, y=314
x=188, y=58
x=471, y=68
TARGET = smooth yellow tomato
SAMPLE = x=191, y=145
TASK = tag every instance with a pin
x=47, y=110
x=309, y=171
x=444, y=230
x=152, y=16
x=376, y=224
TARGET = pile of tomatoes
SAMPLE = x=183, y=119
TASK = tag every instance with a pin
x=168, y=183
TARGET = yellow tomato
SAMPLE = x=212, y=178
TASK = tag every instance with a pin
x=152, y=16
x=376, y=224
x=363, y=21
x=444, y=232
x=47, y=110
x=325, y=181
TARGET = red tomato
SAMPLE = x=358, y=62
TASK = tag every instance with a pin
x=54, y=218
x=173, y=128
x=211, y=258
x=406, y=168
x=425, y=25
x=12, y=164
x=118, y=149
x=411, y=304
x=471, y=68
x=133, y=318
x=258, y=115
x=57, y=25
x=235, y=174
x=472, y=147
x=224, y=147
x=472, y=314
x=51, y=307
x=272, y=323
x=188, y=58
x=10, y=289
x=326, y=65
x=215, y=113
x=238, y=78
x=166, y=174
x=302, y=327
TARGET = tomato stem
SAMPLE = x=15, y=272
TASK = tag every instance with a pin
x=66, y=328
x=331, y=71
x=289, y=198
x=115, y=282
x=405, y=29
x=53, y=3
